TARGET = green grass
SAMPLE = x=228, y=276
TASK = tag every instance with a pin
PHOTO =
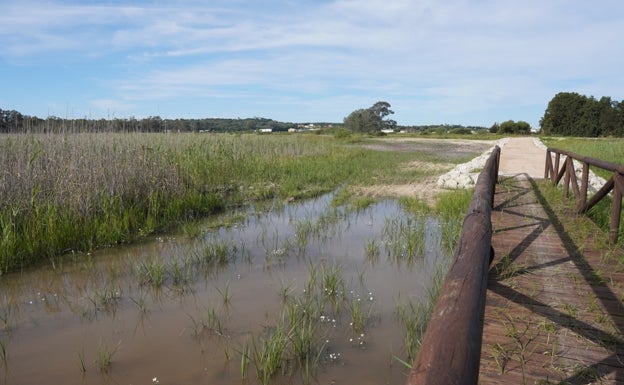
x=78, y=192
x=608, y=149
x=105, y=355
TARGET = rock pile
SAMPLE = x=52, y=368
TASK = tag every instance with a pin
x=465, y=175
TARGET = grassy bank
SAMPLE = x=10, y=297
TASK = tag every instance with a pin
x=62, y=193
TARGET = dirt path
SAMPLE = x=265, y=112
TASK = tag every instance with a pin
x=522, y=156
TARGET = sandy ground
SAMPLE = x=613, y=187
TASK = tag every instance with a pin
x=519, y=155
x=522, y=156
x=427, y=189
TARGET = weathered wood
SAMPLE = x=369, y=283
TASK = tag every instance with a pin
x=616, y=207
x=552, y=305
x=548, y=168
x=566, y=178
x=604, y=190
x=569, y=175
x=584, y=183
x=573, y=180
x=451, y=348
x=556, y=178
x=561, y=173
x=592, y=161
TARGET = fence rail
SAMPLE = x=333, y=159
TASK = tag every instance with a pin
x=451, y=347
x=568, y=174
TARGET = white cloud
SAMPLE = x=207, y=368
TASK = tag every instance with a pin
x=458, y=55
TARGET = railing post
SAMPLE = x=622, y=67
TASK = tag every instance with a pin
x=555, y=177
x=548, y=166
x=616, y=207
x=566, y=178
x=584, y=183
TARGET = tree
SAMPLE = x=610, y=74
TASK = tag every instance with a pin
x=511, y=127
x=370, y=120
x=569, y=113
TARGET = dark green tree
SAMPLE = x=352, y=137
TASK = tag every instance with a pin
x=569, y=113
x=370, y=120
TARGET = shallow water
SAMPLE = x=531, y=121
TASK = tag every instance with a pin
x=59, y=323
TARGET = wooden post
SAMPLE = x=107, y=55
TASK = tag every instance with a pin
x=584, y=185
x=566, y=179
x=555, y=178
x=573, y=180
x=548, y=167
x=616, y=207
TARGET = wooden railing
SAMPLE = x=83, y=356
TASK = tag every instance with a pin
x=615, y=183
x=451, y=347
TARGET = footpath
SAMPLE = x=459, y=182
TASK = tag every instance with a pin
x=554, y=311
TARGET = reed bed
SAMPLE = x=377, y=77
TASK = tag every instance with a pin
x=75, y=192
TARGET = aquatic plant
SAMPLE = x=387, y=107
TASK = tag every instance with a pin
x=151, y=272
x=105, y=355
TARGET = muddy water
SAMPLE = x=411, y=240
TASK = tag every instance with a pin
x=61, y=323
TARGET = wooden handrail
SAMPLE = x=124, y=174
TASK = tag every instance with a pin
x=451, y=348
x=567, y=172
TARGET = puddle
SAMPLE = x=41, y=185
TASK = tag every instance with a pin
x=177, y=309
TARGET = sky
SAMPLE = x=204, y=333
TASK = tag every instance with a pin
x=469, y=62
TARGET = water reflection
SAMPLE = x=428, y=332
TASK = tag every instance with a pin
x=188, y=307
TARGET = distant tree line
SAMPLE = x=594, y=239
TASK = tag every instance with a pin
x=13, y=121
x=569, y=113
x=443, y=129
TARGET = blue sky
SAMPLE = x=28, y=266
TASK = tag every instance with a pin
x=470, y=62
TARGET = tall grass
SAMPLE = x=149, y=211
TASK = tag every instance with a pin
x=62, y=192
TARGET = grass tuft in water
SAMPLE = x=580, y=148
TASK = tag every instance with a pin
x=151, y=273
x=105, y=355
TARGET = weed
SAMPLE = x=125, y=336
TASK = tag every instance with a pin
x=3, y=353
x=225, y=293
x=372, y=250
x=359, y=317
x=269, y=352
x=285, y=291
x=105, y=355
x=414, y=320
x=405, y=238
x=151, y=273
x=332, y=282
x=81, y=358
x=505, y=268
x=501, y=356
x=587, y=374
